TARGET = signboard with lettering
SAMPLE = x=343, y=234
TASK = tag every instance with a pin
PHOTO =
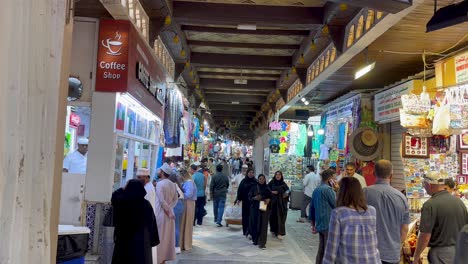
x=461, y=68
x=343, y=109
x=388, y=103
x=112, y=57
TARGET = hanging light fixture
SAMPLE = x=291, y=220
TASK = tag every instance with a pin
x=187, y=64
x=167, y=20
x=343, y=7
x=301, y=59
x=321, y=131
x=306, y=102
x=182, y=52
x=325, y=30
x=310, y=132
x=176, y=39
x=293, y=70
x=303, y=99
x=312, y=45
x=367, y=68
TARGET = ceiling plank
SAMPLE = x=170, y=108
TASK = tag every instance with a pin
x=273, y=32
x=229, y=84
x=235, y=76
x=235, y=93
x=390, y=6
x=238, y=98
x=242, y=45
x=225, y=14
x=242, y=61
x=263, y=91
x=234, y=108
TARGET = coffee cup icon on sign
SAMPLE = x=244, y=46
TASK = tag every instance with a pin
x=113, y=46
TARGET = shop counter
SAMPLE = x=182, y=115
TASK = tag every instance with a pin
x=72, y=244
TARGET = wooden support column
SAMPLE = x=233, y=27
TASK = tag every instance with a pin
x=35, y=51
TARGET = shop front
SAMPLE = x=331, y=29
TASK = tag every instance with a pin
x=126, y=120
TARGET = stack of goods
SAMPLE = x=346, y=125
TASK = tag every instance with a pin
x=289, y=165
x=409, y=246
x=414, y=115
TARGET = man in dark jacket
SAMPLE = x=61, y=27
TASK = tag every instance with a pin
x=219, y=189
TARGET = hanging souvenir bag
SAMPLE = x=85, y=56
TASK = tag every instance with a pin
x=412, y=104
x=456, y=108
x=441, y=123
x=408, y=120
x=463, y=95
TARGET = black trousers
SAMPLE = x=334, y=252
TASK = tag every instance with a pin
x=322, y=244
x=199, y=210
x=245, y=217
x=263, y=228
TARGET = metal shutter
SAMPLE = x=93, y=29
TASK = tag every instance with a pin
x=396, y=131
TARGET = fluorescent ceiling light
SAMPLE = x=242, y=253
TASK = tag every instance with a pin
x=303, y=99
x=235, y=102
x=361, y=72
x=240, y=81
x=247, y=27
x=306, y=103
x=321, y=131
x=310, y=133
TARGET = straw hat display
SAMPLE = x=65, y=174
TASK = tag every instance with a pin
x=364, y=144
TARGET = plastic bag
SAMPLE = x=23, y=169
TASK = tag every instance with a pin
x=441, y=124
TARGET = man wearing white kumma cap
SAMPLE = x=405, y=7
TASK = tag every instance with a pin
x=76, y=161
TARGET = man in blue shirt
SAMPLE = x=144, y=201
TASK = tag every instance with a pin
x=199, y=179
x=323, y=202
x=392, y=213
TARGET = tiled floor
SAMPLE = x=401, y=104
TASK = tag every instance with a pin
x=227, y=245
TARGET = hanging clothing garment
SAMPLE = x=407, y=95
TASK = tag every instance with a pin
x=302, y=140
x=196, y=128
x=342, y=136
x=172, y=117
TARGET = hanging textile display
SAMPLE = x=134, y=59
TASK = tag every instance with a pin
x=172, y=116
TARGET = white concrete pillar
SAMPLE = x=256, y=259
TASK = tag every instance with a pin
x=102, y=144
x=35, y=57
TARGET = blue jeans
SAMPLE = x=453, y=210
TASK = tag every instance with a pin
x=178, y=212
x=218, y=209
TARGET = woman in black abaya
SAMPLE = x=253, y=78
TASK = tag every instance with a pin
x=279, y=205
x=259, y=218
x=243, y=196
x=135, y=231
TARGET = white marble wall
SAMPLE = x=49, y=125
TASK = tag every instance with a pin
x=34, y=62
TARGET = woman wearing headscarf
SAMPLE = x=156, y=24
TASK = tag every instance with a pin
x=186, y=226
x=136, y=231
x=166, y=200
x=279, y=205
x=243, y=196
x=260, y=195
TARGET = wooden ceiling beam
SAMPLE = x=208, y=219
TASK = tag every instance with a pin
x=219, y=83
x=241, y=61
x=263, y=91
x=211, y=98
x=238, y=75
x=390, y=6
x=242, y=45
x=233, y=15
x=266, y=32
x=235, y=93
x=234, y=108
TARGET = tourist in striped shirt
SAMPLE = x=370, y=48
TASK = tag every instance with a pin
x=352, y=235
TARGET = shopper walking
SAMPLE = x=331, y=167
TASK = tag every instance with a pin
x=143, y=175
x=311, y=181
x=260, y=209
x=219, y=188
x=352, y=235
x=323, y=202
x=392, y=213
x=136, y=231
x=186, y=227
x=351, y=172
x=237, y=179
x=178, y=209
x=442, y=218
x=279, y=205
x=166, y=200
x=199, y=179
x=243, y=197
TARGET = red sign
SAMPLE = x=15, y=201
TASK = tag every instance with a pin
x=75, y=120
x=112, y=57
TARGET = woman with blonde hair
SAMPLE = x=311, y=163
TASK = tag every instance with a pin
x=186, y=225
